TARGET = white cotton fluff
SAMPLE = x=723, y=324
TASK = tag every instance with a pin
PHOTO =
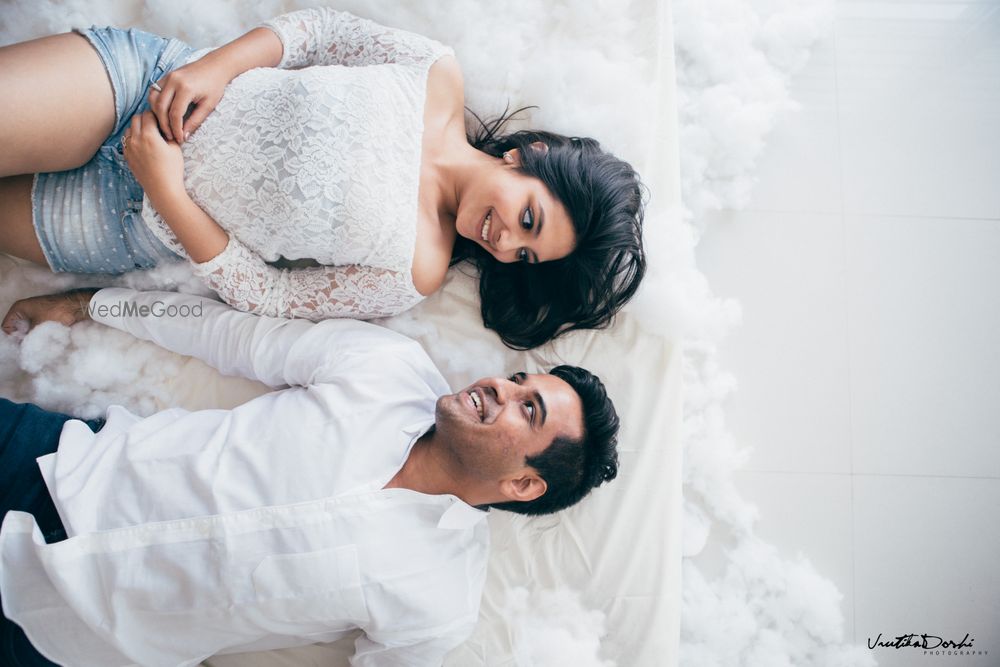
x=734, y=60
x=84, y=369
x=553, y=627
x=764, y=611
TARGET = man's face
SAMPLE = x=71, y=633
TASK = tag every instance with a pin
x=492, y=426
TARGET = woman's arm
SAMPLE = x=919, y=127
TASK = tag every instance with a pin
x=247, y=283
x=202, y=82
x=240, y=276
x=324, y=36
x=158, y=165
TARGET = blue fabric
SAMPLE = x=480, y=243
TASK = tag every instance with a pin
x=88, y=219
x=26, y=433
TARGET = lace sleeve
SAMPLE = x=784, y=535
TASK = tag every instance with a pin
x=247, y=283
x=323, y=36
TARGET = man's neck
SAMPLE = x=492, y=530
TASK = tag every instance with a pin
x=425, y=470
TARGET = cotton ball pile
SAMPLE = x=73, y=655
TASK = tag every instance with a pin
x=12, y=378
x=675, y=298
x=172, y=276
x=711, y=454
x=27, y=19
x=765, y=611
x=734, y=62
x=44, y=346
x=552, y=627
x=81, y=370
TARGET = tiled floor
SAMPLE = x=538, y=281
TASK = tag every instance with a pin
x=868, y=266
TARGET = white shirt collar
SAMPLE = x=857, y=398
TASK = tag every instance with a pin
x=460, y=515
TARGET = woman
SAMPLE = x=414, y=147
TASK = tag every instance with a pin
x=363, y=165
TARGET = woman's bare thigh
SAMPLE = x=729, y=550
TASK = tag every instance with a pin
x=17, y=231
x=57, y=105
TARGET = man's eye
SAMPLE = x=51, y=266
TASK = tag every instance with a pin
x=527, y=221
x=530, y=407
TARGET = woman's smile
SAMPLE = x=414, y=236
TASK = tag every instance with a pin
x=485, y=227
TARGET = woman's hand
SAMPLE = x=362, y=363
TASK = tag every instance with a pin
x=193, y=89
x=157, y=164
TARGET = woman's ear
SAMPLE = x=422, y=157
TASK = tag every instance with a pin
x=539, y=147
x=513, y=156
x=525, y=488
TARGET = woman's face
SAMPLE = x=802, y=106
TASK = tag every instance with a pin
x=514, y=217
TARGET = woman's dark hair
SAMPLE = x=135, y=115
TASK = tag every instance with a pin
x=571, y=468
x=530, y=304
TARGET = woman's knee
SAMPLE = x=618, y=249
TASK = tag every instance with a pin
x=57, y=104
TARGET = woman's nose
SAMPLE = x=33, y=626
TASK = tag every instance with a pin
x=508, y=241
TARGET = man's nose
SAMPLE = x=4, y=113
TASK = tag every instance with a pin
x=504, y=389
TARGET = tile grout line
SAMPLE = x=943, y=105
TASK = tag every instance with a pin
x=862, y=214
x=870, y=474
x=847, y=328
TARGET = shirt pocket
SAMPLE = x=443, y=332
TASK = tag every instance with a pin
x=328, y=582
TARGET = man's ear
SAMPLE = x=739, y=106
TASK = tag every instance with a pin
x=524, y=488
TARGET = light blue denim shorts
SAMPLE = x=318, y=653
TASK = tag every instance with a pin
x=88, y=220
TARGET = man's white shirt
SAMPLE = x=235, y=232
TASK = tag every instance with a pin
x=265, y=526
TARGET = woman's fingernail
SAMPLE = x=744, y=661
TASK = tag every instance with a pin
x=187, y=135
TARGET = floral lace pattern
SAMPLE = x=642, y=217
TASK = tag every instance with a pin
x=320, y=163
x=313, y=293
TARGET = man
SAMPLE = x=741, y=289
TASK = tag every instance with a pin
x=354, y=498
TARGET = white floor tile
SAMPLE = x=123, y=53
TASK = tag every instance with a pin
x=919, y=108
x=924, y=327
x=799, y=169
x=790, y=355
x=926, y=553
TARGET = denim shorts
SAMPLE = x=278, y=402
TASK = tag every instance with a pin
x=88, y=220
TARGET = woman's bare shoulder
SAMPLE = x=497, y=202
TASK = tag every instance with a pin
x=446, y=87
x=430, y=266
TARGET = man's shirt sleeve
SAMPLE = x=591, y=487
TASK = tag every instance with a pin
x=272, y=350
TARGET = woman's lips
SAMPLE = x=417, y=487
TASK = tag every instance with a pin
x=490, y=232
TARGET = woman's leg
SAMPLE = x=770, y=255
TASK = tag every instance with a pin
x=57, y=105
x=17, y=233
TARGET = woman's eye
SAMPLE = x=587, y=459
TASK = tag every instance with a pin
x=522, y=255
x=526, y=220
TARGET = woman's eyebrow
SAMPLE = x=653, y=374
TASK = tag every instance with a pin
x=541, y=219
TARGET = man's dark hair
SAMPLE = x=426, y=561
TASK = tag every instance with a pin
x=571, y=468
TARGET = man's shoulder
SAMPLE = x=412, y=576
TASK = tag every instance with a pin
x=376, y=345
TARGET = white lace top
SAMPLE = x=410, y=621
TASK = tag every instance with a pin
x=321, y=162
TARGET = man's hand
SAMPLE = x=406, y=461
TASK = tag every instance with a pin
x=67, y=308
